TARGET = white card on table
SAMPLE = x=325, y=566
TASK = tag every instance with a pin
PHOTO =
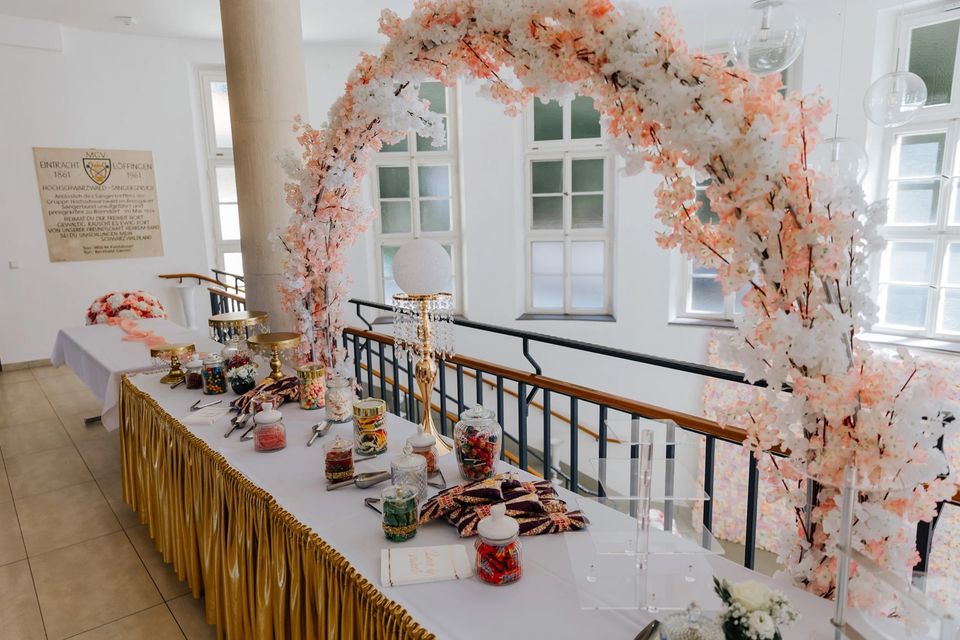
x=205, y=416
x=416, y=565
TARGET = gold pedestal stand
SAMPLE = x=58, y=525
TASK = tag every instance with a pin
x=425, y=371
x=238, y=322
x=174, y=352
x=274, y=342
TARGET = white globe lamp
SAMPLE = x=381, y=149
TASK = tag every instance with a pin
x=895, y=99
x=422, y=267
x=772, y=37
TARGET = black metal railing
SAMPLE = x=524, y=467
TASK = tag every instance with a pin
x=232, y=281
x=392, y=379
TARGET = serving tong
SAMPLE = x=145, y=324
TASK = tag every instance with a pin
x=196, y=406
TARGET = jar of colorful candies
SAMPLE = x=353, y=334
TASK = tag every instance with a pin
x=194, y=378
x=498, y=547
x=477, y=439
x=369, y=428
x=410, y=469
x=214, y=375
x=338, y=460
x=312, y=388
x=269, y=434
x=424, y=444
x=401, y=512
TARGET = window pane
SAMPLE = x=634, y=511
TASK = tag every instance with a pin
x=220, y=108
x=706, y=296
x=434, y=181
x=547, y=176
x=955, y=203
x=436, y=94
x=390, y=289
x=701, y=270
x=950, y=313
x=400, y=146
x=921, y=155
x=395, y=216
x=547, y=212
x=233, y=263
x=915, y=202
x=703, y=209
x=932, y=52
x=229, y=222
x=586, y=292
x=394, y=182
x=387, y=256
x=548, y=292
x=426, y=144
x=586, y=258
x=435, y=215
x=584, y=119
x=909, y=262
x=226, y=184
x=587, y=175
x=905, y=306
x=587, y=212
x=546, y=257
x=547, y=120
x=951, y=272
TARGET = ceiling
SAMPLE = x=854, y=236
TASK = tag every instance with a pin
x=323, y=20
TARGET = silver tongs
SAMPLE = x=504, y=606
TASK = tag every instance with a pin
x=319, y=430
x=196, y=406
x=236, y=423
x=361, y=480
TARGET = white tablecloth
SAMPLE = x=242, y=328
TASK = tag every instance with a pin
x=99, y=356
x=543, y=604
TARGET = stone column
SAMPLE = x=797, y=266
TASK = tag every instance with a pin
x=263, y=48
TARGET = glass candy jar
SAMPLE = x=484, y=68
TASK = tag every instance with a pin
x=194, y=378
x=477, y=439
x=214, y=375
x=312, y=387
x=339, y=398
x=338, y=460
x=369, y=428
x=234, y=346
x=411, y=470
x=400, y=512
x=498, y=547
x=424, y=444
x=269, y=434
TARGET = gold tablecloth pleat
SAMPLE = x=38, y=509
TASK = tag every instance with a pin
x=263, y=573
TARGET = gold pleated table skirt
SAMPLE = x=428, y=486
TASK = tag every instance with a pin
x=263, y=573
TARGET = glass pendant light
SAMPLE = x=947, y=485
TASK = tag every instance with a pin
x=895, y=99
x=843, y=159
x=772, y=38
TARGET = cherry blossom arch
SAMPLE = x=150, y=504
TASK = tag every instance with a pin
x=798, y=240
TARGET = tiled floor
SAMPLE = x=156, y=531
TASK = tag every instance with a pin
x=74, y=560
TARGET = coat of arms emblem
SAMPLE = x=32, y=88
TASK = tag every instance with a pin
x=98, y=169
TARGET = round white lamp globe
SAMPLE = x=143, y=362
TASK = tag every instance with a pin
x=841, y=158
x=422, y=267
x=771, y=37
x=895, y=99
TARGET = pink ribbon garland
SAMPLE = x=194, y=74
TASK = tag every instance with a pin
x=134, y=334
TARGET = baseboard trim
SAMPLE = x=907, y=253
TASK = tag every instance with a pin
x=27, y=364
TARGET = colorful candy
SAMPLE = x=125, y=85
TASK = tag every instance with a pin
x=499, y=564
x=312, y=387
x=477, y=453
x=214, y=375
x=270, y=437
x=338, y=460
x=369, y=429
x=399, y=512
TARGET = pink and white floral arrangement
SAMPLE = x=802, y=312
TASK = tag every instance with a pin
x=797, y=239
x=125, y=304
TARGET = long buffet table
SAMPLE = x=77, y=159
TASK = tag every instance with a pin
x=278, y=556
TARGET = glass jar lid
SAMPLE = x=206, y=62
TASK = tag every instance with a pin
x=213, y=358
x=408, y=460
x=194, y=363
x=477, y=416
x=398, y=493
x=267, y=415
x=340, y=444
x=421, y=440
x=498, y=527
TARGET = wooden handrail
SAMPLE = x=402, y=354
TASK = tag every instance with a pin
x=200, y=278
x=227, y=294
x=619, y=403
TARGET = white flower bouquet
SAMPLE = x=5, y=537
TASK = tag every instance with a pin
x=752, y=611
x=243, y=378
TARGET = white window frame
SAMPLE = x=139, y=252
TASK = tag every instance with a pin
x=682, y=267
x=933, y=119
x=567, y=150
x=413, y=160
x=215, y=157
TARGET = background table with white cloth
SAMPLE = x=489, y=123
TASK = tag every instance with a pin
x=99, y=355
x=246, y=548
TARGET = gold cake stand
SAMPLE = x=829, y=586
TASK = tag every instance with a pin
x=174, y=352
x=238, y=322
x=274, y=342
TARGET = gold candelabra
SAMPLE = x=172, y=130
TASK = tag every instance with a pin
x=417, y=318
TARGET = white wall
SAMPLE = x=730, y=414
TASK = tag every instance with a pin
x=100, y=90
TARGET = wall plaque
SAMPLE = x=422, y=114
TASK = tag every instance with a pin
x=98, y=204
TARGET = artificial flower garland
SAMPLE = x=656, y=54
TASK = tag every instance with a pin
x=798, y=240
